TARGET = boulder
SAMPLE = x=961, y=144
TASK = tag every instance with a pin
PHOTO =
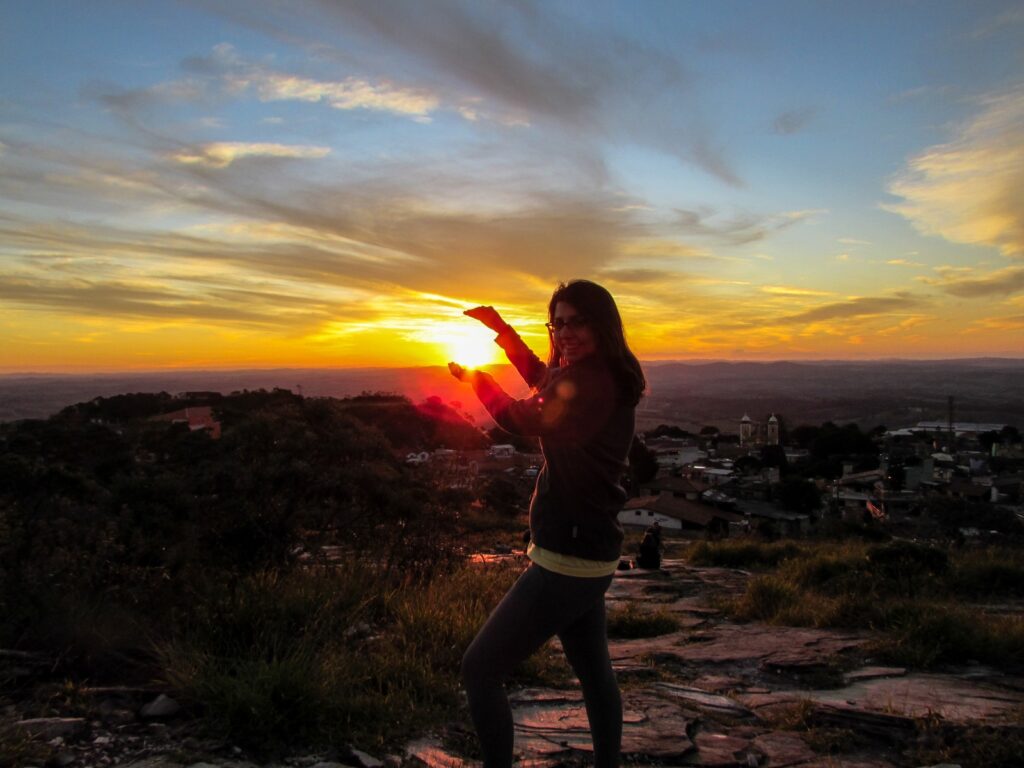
x=53, y=727
x=162, y=706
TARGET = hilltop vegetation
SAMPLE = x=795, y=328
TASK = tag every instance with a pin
x=132, y=548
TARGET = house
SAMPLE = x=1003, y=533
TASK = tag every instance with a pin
x=764, y=514
x=713, y=475
x=674, y=452
x=676, y=514
x=680, y=487
x=198, y=417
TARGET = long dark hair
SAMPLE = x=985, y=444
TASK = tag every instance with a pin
x=598, y=307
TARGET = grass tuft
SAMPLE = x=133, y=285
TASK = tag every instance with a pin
x=741, y=554
x=331, y=657
x=766, y=598
x=634, y=621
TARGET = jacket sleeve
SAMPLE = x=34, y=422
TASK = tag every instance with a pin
x=572, y=405
x=530, y=367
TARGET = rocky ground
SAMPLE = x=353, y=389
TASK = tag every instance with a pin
x=713, y=693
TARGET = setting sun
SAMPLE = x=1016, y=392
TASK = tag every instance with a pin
x=470, y=347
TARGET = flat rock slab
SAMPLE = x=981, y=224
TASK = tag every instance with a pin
x=431, y=753
x=779, y=647
x=845, y=762
x=723, y=750
x=867, y=673
x=784, y=647
x=916, y=695
x=781, y=748
x=711, y=703
x=550, y=724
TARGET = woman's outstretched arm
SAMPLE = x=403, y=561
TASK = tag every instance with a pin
x=573, y=404
x=530, y=367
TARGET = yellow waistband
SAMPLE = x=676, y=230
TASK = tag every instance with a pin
x=568, y=565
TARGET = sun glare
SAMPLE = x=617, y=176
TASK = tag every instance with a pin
x=469, y=347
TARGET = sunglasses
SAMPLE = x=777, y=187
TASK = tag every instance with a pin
x=573, y=323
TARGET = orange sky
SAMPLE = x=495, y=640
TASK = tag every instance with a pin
x=329, y=185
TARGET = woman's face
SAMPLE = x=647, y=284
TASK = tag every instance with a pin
x=574, y=337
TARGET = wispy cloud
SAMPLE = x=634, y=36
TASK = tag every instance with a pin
x=794, y=120
x=739, y=229
x=222, y=154
x=573, y=78
x=969, y=189
x=787, y=290
x=1001, y=282
x=351, y=93
x=999, y=23
x=856, y=308
x=1008, y=323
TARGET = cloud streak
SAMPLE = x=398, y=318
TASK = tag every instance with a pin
x=1002, y=282
x=572, y=79
x=737, y=230
x=971, y=189
x=224, y=153
x=867, y=306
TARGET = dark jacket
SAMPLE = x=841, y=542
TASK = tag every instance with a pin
x=585, y=428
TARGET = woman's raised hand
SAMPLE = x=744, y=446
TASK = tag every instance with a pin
x=488, y=316
x=460, y=373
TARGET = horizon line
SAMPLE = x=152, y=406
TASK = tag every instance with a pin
x=654, y=362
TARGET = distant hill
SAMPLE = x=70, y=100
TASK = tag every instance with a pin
x=893, y=393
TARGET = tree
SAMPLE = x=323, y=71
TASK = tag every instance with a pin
x=798, y=495
x=668, y=430
x=501, y=496
x=643, y=467
x=905, y=562
x=774, y=456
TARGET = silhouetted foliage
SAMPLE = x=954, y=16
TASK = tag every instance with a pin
x=103, y=503
x=905, y=563
x=830, y=445
x=774, y=456
x=668, y=430
x=642, y=465
x=798, y=495
x=955, y=514
x=501, y=496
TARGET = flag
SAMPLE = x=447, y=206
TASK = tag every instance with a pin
x=876, y=512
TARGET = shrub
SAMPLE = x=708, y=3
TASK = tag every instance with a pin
x=732, y=554
x=634, y=621
x=905, y=563
x=927, y=634
x=765, y=598
x=331, y=657
x=988, y=572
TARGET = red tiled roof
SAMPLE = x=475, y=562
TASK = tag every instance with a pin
x=682, y=509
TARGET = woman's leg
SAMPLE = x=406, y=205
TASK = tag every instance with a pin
x=585, y=642
x=539, y=606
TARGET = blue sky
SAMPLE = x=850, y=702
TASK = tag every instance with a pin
x=329, y=183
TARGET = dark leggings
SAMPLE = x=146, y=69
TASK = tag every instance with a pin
x=540, y=605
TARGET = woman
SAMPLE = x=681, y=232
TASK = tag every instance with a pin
x=583, y=411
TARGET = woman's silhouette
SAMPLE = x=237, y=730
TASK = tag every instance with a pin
x=582, y=410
